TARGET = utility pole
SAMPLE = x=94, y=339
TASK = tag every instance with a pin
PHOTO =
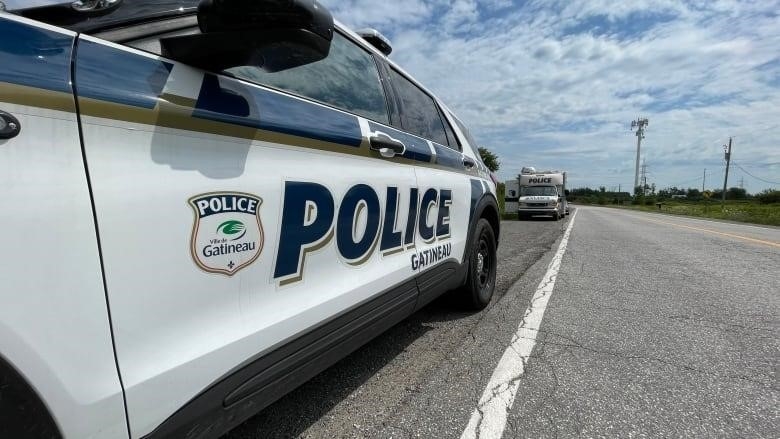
x=644, y=177
x=639, y=124
x=742, y=182
x=727, y=151
x=703, y=180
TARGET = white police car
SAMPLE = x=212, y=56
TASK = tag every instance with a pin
x=206, y=204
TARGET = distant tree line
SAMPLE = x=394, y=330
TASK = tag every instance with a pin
x=650, y=196
x=601, y=195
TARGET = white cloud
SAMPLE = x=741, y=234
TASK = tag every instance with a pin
x=461, y=12
x=556, y=83
x=379, y=14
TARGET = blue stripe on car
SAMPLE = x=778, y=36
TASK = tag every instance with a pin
x=416, y=148
x=110, y=74
x=477, y=189
x=231, y=101
x=447, y=157
x=34, y=57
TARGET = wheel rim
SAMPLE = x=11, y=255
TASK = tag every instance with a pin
x=484, y=262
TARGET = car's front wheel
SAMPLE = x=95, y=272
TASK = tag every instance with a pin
x=481, y=278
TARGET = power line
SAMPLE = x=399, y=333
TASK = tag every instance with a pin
x=759, y=163
x=757, y=178
x=686, y=181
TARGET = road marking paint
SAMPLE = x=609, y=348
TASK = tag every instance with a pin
x=760, y=241
x=488, y=420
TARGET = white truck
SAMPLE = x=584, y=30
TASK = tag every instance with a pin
x=537, y=193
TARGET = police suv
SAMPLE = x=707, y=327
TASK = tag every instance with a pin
x=207, y=203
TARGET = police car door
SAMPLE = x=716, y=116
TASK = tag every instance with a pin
x=50, y=275
x=235, y=216
x=446, y=190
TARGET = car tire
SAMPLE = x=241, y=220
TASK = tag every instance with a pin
x=22, y=413
x=481, y=276
x=555, y=216
x=521, y=216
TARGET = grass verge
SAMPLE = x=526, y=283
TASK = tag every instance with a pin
x=746, y=212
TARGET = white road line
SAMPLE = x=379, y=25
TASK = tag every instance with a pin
x=489, y=418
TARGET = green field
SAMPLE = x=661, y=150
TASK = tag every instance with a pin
x=743, y=211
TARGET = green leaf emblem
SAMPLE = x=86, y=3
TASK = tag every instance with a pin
x=231, y=227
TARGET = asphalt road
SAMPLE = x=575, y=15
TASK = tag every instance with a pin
x=657, y=326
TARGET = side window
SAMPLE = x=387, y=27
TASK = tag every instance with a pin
x=419, y=114
x=454, y=143
x=346, y=79
x=466, y=133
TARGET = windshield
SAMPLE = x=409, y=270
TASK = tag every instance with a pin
x=538, y=191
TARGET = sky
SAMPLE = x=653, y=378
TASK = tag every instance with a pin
x=555, y=84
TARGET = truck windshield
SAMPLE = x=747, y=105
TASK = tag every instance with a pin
x=538, y=191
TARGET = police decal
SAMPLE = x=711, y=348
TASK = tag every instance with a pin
x=227, y=234
x=360, y=222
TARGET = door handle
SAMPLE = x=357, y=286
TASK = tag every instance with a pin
x=386, y=145
x=9, y=126
x=469, y=162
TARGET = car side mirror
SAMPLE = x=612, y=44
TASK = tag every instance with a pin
x=566, y=192
x=269, y=34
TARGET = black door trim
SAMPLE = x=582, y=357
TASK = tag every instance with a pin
x=439, y=279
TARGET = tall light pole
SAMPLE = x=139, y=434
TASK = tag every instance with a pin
x=639, y=124
x=727, y=151
x=703, y=180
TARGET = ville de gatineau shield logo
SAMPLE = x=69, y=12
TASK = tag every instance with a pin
x=227, y=234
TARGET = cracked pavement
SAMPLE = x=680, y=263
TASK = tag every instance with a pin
x=651, y=331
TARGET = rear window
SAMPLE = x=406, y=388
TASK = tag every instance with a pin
x=466, y=133
x=419, y=114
